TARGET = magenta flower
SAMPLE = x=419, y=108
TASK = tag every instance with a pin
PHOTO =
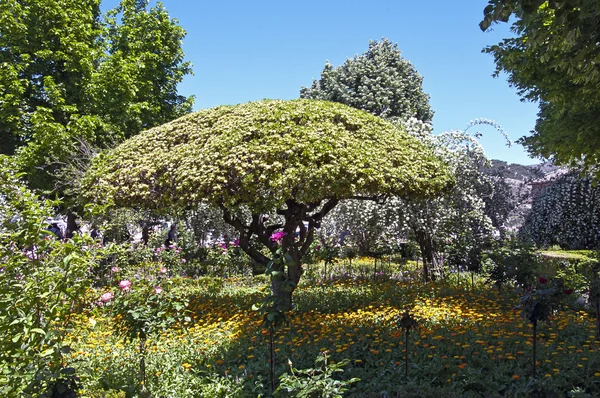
x=115, y=269
x=158, y=290
x=125, y=284
x=318, y=248
x=278, y=236
x=235, y=243
x=223, y=246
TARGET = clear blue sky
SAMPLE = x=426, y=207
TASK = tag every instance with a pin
x=249, y=50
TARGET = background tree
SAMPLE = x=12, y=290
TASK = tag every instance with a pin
x=379, y=81
x=294, y=158
x=68, y=76
x=456, y=223
x=566, y=213
x=551, y=61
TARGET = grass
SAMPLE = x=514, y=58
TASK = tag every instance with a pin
x=468, y=343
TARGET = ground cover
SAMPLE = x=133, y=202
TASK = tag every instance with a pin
x=469, y=343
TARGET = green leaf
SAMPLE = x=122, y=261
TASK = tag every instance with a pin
x=47, y=352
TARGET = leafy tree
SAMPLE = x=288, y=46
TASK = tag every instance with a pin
x=566, y=213
x=68, y=76
x=552, y=61
x=379, y=81
x=294, y=158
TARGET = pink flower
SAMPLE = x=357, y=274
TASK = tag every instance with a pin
x=125, y=284
x=163, y=270
x=115, y=269
x=183, y=260
x=223, y=246
x=106, y=297
x=278, y=236
x=236, y=243
x=99, y=303
x=542, y=280
x=158, y=290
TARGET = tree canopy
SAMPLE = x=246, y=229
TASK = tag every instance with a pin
x=555, y=60
x=379, y=81
x=68, y=75
x=263, y=154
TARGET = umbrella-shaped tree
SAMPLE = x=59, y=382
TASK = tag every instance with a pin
x=295, y=158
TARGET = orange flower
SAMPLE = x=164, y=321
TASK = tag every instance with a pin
x=516, y=377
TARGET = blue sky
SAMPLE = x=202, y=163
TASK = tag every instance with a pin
x=249, y=50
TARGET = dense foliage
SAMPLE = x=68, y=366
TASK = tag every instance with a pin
x=69, y=76
x=566, y=213
x=43, y=282
x=263, y=154
x=553, y=60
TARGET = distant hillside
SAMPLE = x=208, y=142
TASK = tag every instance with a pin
x=519, y=178
x=520, y=172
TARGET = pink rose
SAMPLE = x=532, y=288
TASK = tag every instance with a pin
x=106, y=297
x=125, y=284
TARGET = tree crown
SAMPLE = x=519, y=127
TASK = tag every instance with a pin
x=263, y=154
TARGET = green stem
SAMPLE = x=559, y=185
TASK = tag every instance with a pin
x=406, y=356
x=272, y=352
x=534, y=345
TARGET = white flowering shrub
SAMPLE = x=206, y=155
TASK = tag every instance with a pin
x=566, y=213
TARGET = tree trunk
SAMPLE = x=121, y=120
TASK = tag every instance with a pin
x=145, y=234
x=425, y=241
x=283, y=287
x=71, y=224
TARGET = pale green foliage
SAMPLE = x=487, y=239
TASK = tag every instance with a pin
x=264, y=153
x=567, y=213
x=379, y=81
